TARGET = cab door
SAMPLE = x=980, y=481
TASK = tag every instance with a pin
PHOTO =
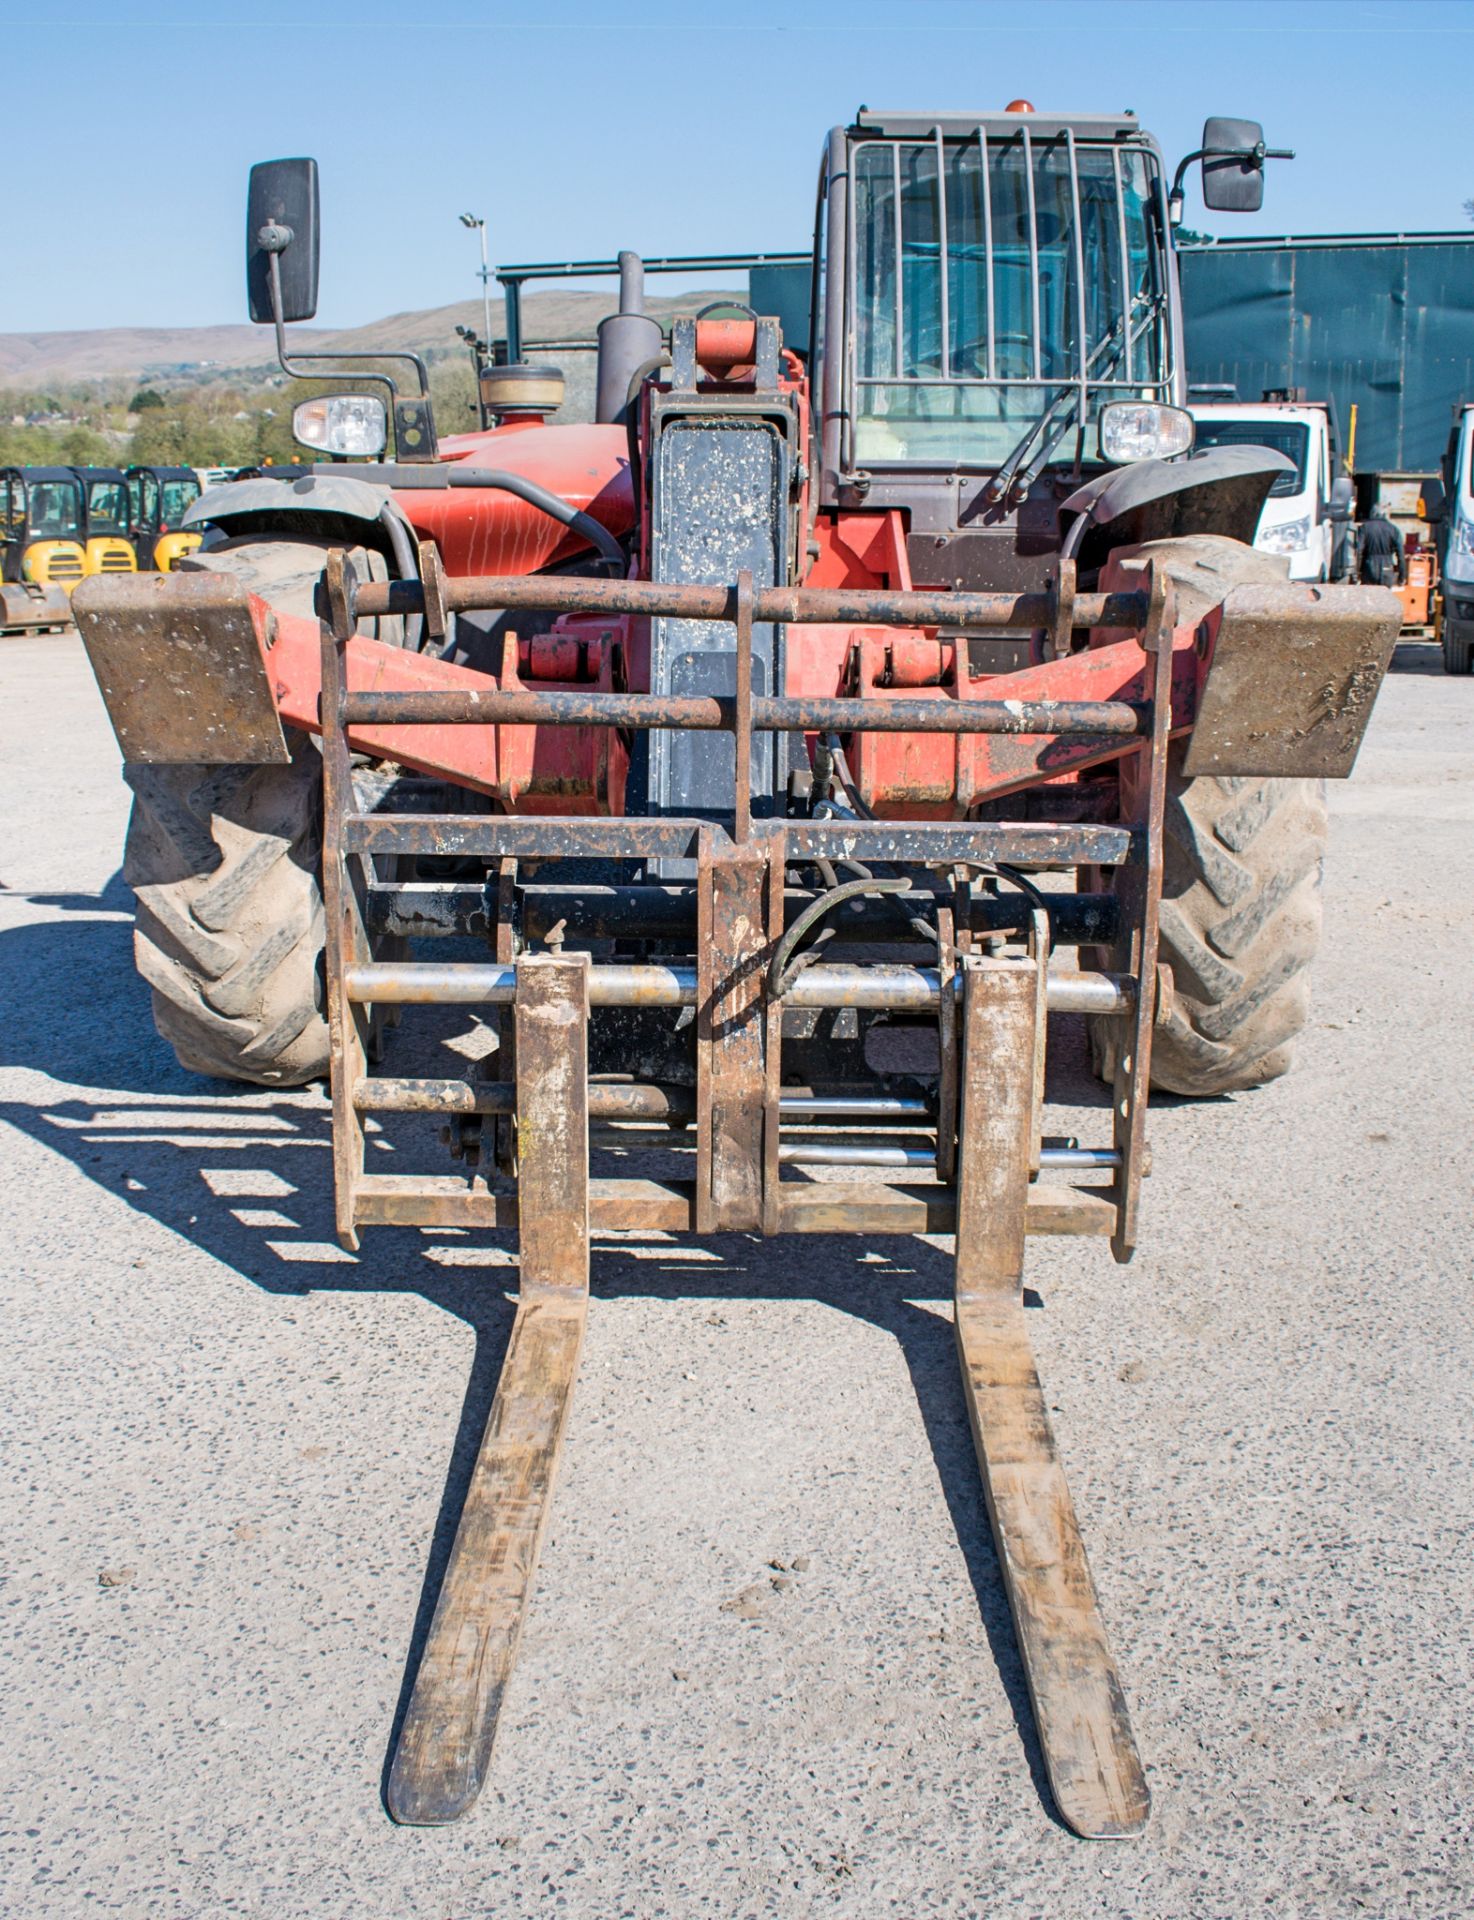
x=12, y=523
x=143, y=513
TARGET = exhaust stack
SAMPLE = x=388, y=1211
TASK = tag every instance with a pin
x=627, y=340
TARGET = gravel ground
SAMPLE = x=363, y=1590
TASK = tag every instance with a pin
x=234, y=1457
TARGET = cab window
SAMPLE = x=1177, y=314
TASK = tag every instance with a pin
x=55, y=510
x=107, y=507
x=179, y=496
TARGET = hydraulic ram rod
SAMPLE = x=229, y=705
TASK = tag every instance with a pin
x=822, y=606
x=712, y=713
x=896, y=988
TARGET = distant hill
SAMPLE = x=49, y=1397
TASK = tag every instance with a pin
x=30, y=361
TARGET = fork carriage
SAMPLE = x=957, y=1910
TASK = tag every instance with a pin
x=966, y=1152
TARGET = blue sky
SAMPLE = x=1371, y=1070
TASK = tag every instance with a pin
x=128, y=129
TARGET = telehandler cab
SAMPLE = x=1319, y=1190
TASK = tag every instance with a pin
x=158, y=500
x=690, y=717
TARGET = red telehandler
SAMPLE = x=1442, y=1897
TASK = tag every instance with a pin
x=800, y=742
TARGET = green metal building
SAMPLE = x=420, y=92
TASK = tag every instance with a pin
x=1381, y=321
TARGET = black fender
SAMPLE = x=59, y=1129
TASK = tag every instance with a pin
x=364, y=512
x=326, y=505
x=1221, y=491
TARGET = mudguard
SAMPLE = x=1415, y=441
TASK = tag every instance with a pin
x=1221, y=491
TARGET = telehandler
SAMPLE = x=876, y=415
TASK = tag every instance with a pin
x=802, y=741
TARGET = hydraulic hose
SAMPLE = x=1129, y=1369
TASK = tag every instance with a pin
x=397, y=534
x=574, y=518
x=780, y=973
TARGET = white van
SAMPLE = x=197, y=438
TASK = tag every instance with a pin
x=1456, y=546
x=1306, y=508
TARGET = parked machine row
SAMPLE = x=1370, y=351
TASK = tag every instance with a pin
x=59, y=525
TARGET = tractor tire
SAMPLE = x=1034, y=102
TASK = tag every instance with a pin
x=225, y=867
x=1241, y=908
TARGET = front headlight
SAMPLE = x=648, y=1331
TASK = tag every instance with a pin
x=1142, y=430
x=1463, y=537
x=1291, y=536
x=349, y=423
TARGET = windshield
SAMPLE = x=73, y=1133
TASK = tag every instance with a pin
x=54, y=510
x=1025, y=266
x=1289, y=437
x=107, y=507
x=179, y=497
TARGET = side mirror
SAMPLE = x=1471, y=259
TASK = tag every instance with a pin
x=281, y=225
x=1432, y=501
x=1343, y=497
x=1233, y=166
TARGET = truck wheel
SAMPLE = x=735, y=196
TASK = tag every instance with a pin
x=225, y=865
x=1458, y=646
x=1241, y=908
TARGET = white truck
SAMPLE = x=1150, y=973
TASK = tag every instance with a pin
x=1456, y=546
x=1307, y=510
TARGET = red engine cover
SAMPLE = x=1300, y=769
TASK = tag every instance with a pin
x=482, y=530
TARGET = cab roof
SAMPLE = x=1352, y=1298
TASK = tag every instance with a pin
x=28, y=474
x=899, y=123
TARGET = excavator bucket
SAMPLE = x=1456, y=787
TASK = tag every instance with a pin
x=26, y=608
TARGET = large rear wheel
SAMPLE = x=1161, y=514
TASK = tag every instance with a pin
x=225, y=864
x=1241, y=908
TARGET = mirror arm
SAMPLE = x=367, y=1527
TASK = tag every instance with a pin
x=273, y=240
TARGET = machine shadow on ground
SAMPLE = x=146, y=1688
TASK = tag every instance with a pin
x=245, y=1175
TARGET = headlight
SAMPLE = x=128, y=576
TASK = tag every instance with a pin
x=1142, y=430
x=350, y=423
x=1291, y=536
x=1463, y=540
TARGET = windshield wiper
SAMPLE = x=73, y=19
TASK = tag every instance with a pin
x=1008, y=484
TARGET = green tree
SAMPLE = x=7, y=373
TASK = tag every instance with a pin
x=144, y=399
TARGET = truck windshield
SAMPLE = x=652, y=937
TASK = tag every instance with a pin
x=54, y=510
x=1288, y=437
x=991, y=275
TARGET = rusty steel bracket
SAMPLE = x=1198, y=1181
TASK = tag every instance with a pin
x=742, y=717
x=182, y=667
x=340, y=588
x=1038, y=952
x=777, y=868
x=1291, y=678
x=732, y=954
x=1060, y=631
x=432, y=583
x=1139, y=889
